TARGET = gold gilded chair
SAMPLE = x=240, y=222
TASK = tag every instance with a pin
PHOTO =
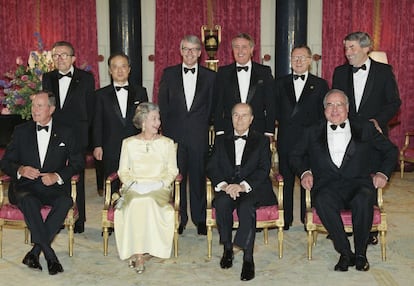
x=108, y=211
x=12, y=217
x=314, y=225
x=407, y=152
x=266, y=216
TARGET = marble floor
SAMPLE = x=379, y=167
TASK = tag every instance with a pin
x=88, y=266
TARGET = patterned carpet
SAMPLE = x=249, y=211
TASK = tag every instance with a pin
x=88, y=266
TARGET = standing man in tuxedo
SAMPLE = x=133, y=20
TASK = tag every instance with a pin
x=41, y=158
x=239, y=171
x=371, y=87
x=247, y=82
x=299, y=104
x=185, y=100
x=74, y=90
x=333, y=160
x=115, y=108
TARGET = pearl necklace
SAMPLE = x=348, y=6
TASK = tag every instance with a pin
x=148, y=142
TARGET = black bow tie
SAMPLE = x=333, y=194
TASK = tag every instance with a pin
x=46, y=128
x=355, y=69
x=244, y=137
x=118, y=88
x=245, y=68
x=296, y=76
x=69, y=74
x=187, y=69
x=333, y=126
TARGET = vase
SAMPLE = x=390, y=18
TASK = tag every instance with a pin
x=7, y=124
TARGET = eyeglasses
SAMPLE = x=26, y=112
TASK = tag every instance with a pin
x=63, y=56
x=299, y=58
x=186, y=50
x=335, y=104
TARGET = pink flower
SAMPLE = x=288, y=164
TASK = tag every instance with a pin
x=32, y=85
x=20, y=101
x=5, y=110
x=24, y=77
x=19, y=61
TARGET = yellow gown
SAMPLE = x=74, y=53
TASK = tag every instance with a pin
x=145, y=222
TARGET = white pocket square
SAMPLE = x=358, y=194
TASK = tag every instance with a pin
x=136, y=102
x=62, y=144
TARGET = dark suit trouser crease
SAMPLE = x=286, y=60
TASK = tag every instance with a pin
x=191, y=163
x=43, y=232
x=361, y=203
x=246, y=212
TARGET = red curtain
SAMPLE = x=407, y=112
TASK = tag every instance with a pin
x=176, y=18
x=73, y=21
x=396, y=38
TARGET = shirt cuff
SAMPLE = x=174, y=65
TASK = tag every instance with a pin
x=219, y=132
x=379, y=173
x=219, y=185
x=246, y=186
x=304, y=173
x=59, y=181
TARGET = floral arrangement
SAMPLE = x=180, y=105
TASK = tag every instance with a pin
x=25, y=81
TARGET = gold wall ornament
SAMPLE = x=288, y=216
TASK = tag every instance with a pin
x=211, y=38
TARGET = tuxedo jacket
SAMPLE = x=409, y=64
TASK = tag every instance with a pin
x=312, y=153
x=109, y=127
x=294, y=117
x=260, y=97
x=179, y=123
x=380, y=99
x=78, y=108
x=254, y=168
x=63, y=156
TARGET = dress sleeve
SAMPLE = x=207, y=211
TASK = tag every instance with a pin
x=171, y=161
x=124, y=170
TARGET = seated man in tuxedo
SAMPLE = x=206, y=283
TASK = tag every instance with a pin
x=41, y=158
x=333, y=160
x=239, y=170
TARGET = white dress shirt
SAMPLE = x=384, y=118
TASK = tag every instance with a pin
x=122, y=96
x=360, y=79
x=189, y=83
x=64, y=83
x=243, y=78
x=43, y=138
x=299, y=84
x=338, y=141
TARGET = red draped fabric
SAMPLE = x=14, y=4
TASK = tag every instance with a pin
x=396, y=38
x=55, y=20
x=176, y=18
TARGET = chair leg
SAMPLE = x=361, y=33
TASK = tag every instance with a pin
x=209, y=241
x=266, y=235
x=71, y=239
x=1, y=241
x=175, y=243
x=402, y=168
x=311, y=241
x=383, y=245
x=26, y=235
x=280, y=241
x=105, y=235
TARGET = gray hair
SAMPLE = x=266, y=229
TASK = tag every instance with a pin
x=243, y=36
x=141, y=113
x=50, y=95
x=334, y=90
x=192, y=39
x=362, y=38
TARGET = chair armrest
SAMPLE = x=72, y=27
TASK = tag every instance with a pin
x=308, y=201
x=176, y=190
x=380, y=199
x=73, y=181
x=210, y=194
x=277, y=184
x=3, y=179
x=108, y=192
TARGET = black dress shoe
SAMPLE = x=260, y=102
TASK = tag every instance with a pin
x=79, y=228
x=202, y=228
x=286, y=227
x=361, y=263
x=344, y=262
x=247, y=271
x=54, y=267
x=373, y=238
x=32, y=261
x=181, y=228
x=227, y=259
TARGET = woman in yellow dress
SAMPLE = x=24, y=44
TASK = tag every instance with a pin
x=144, y=223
